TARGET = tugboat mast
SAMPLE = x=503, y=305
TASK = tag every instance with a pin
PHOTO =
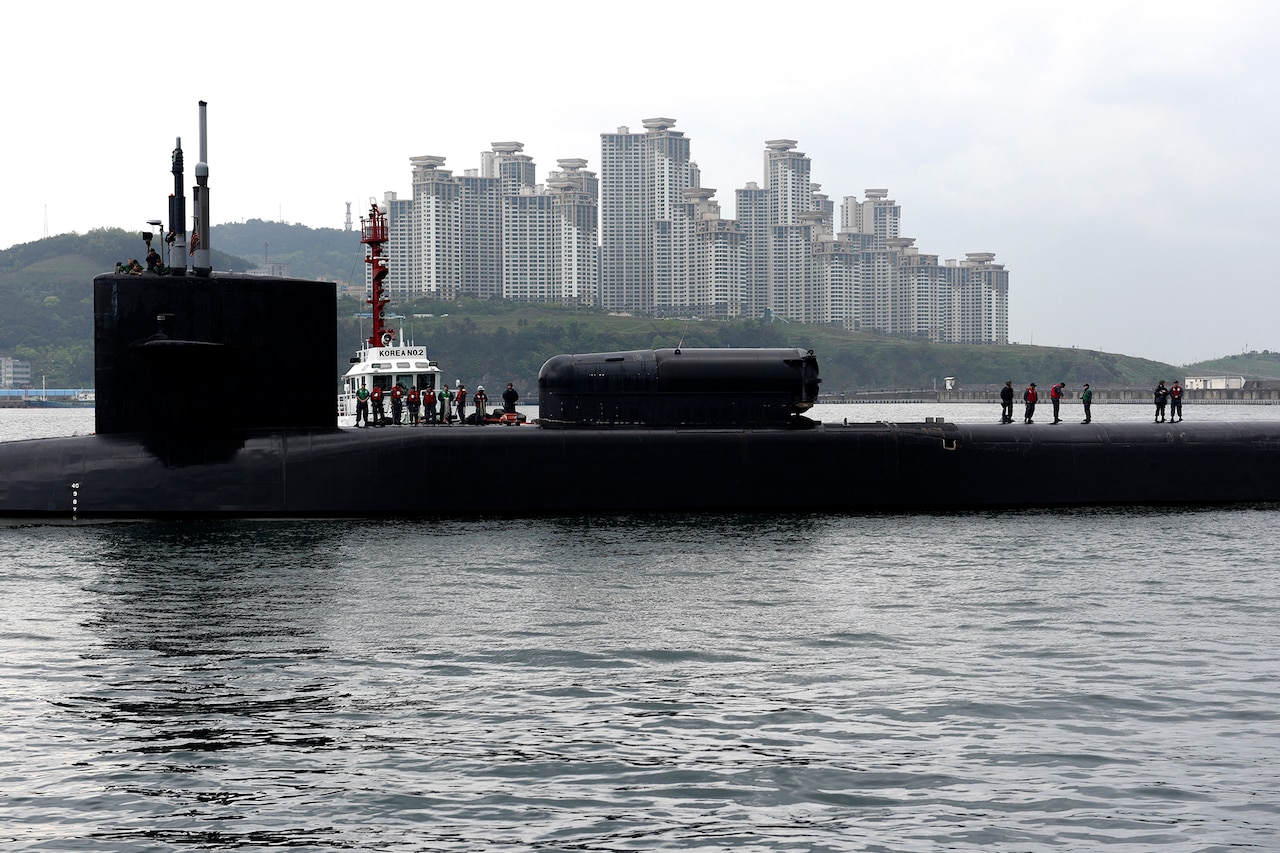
x=374, y=235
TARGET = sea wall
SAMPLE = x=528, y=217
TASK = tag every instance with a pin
x=991, y=394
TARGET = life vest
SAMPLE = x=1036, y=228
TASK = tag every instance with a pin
x=413, y=395
x=1030, y=395
x=429, y=397
x=377, y=394
x=396, y=393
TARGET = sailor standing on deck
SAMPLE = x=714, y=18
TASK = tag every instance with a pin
x=1175, y=402
x=1029, y=397
x=1086, y=397
x=379, y=413
x=461, y=396
x=429, y=404
x=414, y=403
x=482, y=402
x=397, y=402
x=1006, y=403
x=1055, y=395
x=511, y=395
x=362, y=404
x=446, y=404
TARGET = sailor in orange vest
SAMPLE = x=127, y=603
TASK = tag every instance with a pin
x=1029, y=397
x=429, y=404
x=1055, y=396
x=397, y=403
x=414, y=403
x=379, y=413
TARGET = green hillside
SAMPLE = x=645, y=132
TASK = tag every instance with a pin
x=500, y=342
x=1250, y=365
x=47, y=319
x=46, y=299
x=330, y=254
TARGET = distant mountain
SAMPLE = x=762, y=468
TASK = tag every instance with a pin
x=46, y=318
x=1263, y=365
x=330, y=254
x=46, y=299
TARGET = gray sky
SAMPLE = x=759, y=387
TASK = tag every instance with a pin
x=1118, y=157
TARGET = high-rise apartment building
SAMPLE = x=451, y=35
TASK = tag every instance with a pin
x=510, y=166
x=713, y=287
x=575, y=193
x=643, y=177
x=492, y=232
x=981, y=289
x=435, y=262
x=646, y=237
x=753, y=221
x=528, y=227
x=480, y=243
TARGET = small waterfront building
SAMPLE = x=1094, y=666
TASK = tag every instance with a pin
x=1207, y=383
x=15, y=373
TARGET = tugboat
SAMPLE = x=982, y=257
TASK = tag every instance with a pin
x=381, y=363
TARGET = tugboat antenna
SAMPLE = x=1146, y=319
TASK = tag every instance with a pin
x=374, y=235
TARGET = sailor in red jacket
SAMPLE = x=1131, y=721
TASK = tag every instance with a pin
x=379, y=413
x=1029, y=397
x=1055, y=396
x=414, y=403
x=397, y=402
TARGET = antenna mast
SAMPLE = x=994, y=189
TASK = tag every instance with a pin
x=374, y=235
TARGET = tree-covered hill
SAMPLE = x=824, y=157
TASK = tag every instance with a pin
x=493, y=343
x=46, y=299
x=329, y=254
x=46, y=318
x=1263, y=365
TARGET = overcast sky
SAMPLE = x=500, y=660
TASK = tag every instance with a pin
x=1120, y=158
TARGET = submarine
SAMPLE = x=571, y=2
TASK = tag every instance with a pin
x=185, y=429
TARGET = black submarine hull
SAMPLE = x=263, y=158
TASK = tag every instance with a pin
x=405, y=471
x=187, y=427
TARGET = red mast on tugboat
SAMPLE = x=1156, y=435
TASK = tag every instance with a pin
x=374, y=235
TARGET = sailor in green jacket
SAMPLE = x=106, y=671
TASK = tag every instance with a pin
x=1086, y=397
x=446, y=404
x=362, y=404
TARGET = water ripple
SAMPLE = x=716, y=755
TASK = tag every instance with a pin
x=751, y=683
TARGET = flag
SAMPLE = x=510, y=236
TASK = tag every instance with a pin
x=195, y=242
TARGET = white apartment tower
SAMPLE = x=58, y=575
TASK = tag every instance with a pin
x=753, y=221
x=436, y=231
x=643, y=177
x=981, y=288
x=790, y=230
x=528, y=227
x=399, y=281
x=879, y=216
x=480, y=229
x=508, y=164
x=714, y=284
x=919, y=299
x=575, y=193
